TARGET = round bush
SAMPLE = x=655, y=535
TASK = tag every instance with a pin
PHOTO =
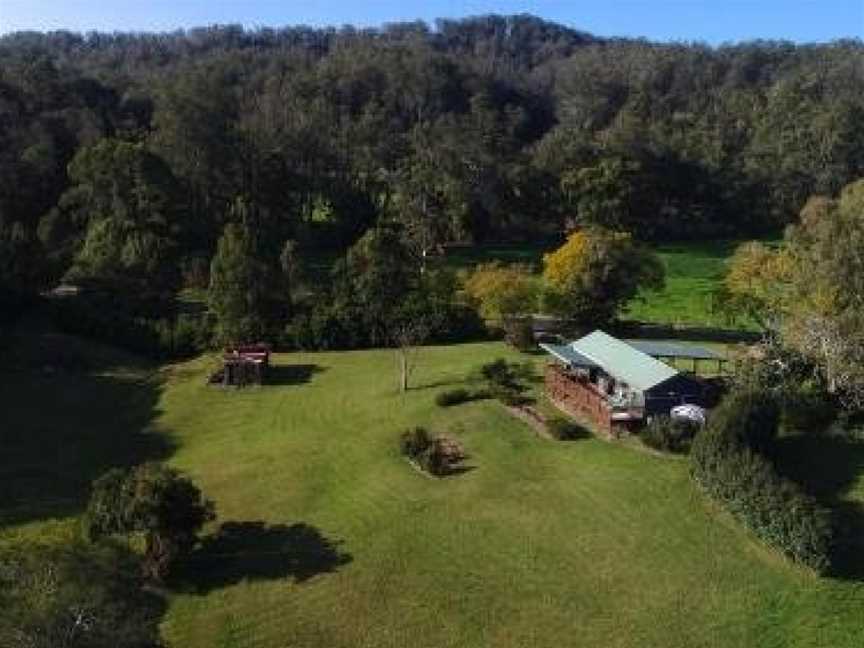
x=452, y=397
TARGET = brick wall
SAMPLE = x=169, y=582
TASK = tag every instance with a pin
x=578, y=397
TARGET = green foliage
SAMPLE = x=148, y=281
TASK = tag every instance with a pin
x=457, y=396
x=415, y=442
x=76, y=596
x=500, y=292
x=241, y=287
x=808, y=409
x=506, y=380
x=158, y=502
x=440, y=455
x=595, y=272
x=565, y=429
x=751, y=419
x=101, y=319
x=726, y=461
x=453, y=397
x=374, y=280
x=668, y=434
x=519, y=333
x=124, y=199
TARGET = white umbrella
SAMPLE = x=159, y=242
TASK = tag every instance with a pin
x=689, y=412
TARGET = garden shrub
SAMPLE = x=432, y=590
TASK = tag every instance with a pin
x=505, y=381
x=734, y=473
x=439, y=456
x=453, y=397
x=519, y=333
x=565, y=430
x=667, y=434
x=751, y=417
x=808, y=410
x=415, y=442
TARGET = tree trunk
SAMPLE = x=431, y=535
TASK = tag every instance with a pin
x=403, y=365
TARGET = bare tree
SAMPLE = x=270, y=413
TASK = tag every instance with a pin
x=409, y=327
x=407, y=335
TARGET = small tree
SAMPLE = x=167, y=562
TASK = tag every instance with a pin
x=292, y=269
x=409, y=327
x=755, y=283
x=597, y=271
x=499, y=292
x=158, y=502
x=239, y=285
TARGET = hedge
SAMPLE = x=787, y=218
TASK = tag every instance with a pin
x=746, y=483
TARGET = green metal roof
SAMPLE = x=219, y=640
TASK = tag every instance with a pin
x=622, y=361
x=568, y=355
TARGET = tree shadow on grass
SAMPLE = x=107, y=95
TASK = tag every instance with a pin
x=296, y=374
x=828, y=467
x=60, y=431
x=245, y=551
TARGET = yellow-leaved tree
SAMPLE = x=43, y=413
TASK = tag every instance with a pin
x=500, y=291
x=757, y=282
x=596, y=272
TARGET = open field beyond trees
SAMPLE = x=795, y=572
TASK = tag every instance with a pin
x=331, y=539
x=694, y=271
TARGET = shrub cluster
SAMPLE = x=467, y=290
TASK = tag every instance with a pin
x=440, y=455
x=808, y=409
x=669, y=435
x=453, y=397
x=329, y=327
x=565, y=430
x=506, y=381
x=519, y=333
x=727, y=461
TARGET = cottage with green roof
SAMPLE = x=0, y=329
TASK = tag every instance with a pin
x=613, y=382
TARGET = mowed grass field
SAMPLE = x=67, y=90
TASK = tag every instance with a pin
x=333, y=540
x=694, y=271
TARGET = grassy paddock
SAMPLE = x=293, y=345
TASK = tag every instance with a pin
x=331, y=539
x=693, y=272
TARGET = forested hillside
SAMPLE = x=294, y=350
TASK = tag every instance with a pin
x=123, y=156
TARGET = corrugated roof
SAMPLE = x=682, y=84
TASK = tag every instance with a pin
x=622, y=361
x=568, y=355
x=674, y=350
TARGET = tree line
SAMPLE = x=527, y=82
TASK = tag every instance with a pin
x=126, y=157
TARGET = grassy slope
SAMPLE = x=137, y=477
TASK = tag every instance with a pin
x=543, y=544
x=71, y=409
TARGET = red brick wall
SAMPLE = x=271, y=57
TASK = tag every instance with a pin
x=578, y=397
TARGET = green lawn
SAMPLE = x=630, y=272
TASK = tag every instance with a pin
x=693, y=272
x=334, y=540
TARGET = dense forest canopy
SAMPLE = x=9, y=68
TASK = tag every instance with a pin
x=121, y=153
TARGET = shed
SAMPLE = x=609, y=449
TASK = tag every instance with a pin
x=614, y=381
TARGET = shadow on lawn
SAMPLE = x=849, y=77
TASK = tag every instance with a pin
x=828, y=466
x=60, y=431
x=240, y=551
x=296, y=374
